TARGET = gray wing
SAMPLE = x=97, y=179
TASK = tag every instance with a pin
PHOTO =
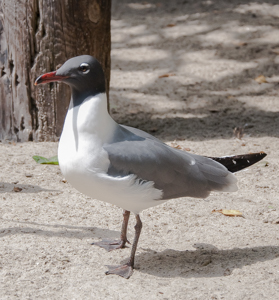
x=176, y=173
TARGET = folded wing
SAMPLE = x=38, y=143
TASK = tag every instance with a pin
x=176, y=173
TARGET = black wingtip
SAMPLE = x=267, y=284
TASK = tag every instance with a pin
x=237, y=163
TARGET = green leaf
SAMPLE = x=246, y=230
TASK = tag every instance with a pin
x=43, y=160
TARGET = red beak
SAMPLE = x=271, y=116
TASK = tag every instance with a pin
x=49, y=77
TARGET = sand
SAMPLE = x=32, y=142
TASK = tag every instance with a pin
x=211, y=53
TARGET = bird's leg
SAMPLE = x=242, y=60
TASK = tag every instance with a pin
x=126, y=270
x=110, y=245
x=123, y=236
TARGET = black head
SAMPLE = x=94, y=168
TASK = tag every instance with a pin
x=83, y=73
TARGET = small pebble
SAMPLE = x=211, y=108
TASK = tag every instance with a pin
x=29, y=175
x=17, y=189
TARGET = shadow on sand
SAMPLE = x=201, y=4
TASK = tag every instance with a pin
x=244, y=26
x=204, y=262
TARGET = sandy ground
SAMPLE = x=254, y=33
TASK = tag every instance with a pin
x=214, y=50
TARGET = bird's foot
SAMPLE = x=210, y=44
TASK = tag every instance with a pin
x=110, y=245
x=124, y=271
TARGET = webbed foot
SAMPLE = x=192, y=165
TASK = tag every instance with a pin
x=124, y=271
x=110, y=245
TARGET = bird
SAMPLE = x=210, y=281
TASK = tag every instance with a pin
x=126, y=166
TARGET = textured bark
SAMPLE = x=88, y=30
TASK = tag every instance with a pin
x=36, y=36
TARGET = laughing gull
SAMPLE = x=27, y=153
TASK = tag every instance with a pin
x=126, y=166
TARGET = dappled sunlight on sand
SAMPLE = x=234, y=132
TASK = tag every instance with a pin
x=183, y=62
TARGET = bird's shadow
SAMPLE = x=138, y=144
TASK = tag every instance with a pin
x=6, y=187
x=206, y=261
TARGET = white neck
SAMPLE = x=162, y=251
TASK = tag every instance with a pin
x=90, y=120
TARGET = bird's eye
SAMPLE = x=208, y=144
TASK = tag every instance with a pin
x=84, y=68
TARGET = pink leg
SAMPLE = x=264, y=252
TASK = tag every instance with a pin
x=110, y=245
x=126, y=270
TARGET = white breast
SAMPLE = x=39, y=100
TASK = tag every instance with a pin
x=87, y=127
x=85, y=163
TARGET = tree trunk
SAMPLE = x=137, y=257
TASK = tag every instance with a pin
x=36, y=36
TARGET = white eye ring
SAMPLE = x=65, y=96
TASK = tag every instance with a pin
x=84, y=68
